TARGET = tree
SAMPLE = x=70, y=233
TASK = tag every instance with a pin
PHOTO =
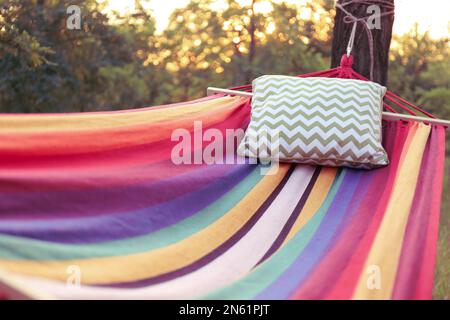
x=234, y=44
x=381, y=42
x=420, y=71
x=46, y=67
x=290, y=48
x=191, y=50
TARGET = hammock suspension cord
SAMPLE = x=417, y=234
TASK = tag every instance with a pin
x=350, y=18
x=345, y=70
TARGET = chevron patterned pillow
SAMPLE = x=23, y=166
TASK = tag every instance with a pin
x=320, y=121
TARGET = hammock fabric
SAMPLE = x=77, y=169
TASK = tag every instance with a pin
x=98, y=193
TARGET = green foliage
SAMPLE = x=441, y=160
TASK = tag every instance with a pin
x=202, y=47
x=118, y=61
x=46, y=67
x=420, y=72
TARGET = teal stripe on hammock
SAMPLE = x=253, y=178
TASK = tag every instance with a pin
x=263, y=275
x=17, y=248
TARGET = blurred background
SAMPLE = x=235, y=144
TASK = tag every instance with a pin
x=131, y=54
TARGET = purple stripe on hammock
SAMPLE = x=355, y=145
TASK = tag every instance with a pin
x=318, y=245
x=129, y=224
x=68, y=204
x=217, y=251
x=355, y=227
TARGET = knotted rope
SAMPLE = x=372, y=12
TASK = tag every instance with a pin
x=350, y=18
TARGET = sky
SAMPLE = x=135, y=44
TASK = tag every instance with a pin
x=434, y=16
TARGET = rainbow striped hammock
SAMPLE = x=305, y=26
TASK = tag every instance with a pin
x=95, y=198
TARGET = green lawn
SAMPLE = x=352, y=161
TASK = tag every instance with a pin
x=442, y=277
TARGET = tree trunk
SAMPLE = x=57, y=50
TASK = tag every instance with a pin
x=361, y=52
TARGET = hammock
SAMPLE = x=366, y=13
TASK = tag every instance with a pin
x=95, y=195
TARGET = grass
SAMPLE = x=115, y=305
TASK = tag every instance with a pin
x=442, y=276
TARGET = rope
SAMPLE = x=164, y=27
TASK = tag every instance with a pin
x=345, y=69
x=351, y=41
x=350, y=18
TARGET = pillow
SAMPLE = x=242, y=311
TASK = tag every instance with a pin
x=320, y=121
